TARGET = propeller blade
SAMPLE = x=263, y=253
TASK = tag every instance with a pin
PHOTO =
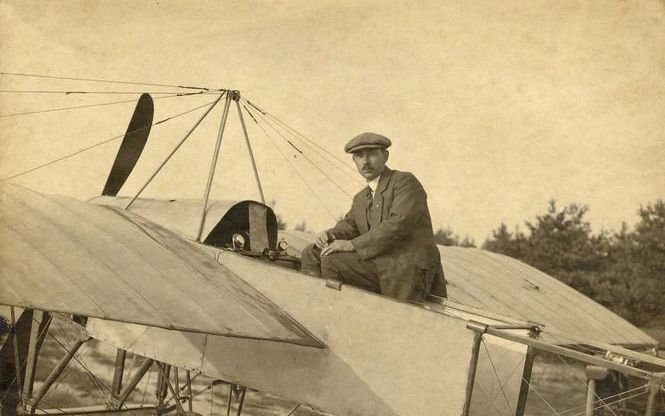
x=132, y=145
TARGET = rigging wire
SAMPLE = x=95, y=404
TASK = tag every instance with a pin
x=613, y=402
x=313, y=142
x=107, y=81
x=507, y=379
x=98, y=144
x=584, y=383
x=102, y=388
x=94, y=383
x=496, y=374
x=313, y=193
x=583, y=406
x=72, y=92
x=531, y=387
x=307, y=158
x=90, y=105
x=147, y=383
x=306, y=140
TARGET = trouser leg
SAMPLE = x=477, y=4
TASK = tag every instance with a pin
x=311, y=261
x=349, y=268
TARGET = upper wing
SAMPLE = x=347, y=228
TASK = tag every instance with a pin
x=62, y=255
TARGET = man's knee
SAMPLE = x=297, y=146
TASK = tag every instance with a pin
x=311, y=260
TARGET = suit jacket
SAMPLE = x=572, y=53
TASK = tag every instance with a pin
x=395, y=232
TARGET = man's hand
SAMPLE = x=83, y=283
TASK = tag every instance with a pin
x=337, y=246
x=322, y=240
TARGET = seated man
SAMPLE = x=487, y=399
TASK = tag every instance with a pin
x=385, y=243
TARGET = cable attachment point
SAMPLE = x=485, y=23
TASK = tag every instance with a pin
x=235, y=95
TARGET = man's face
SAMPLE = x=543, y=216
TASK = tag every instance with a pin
x=370, y=162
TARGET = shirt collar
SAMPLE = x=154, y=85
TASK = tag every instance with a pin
x=373, y=184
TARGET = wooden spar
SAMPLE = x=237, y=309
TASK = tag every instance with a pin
x=251, y=154
x=228, y=400
x=477, y=338
x=37, y=332
x=526, y=379
x=585, y=358
x=188, y=376
x=94, y=410
x=175, y=149
x=654, y=388
x=174, y=393
x=590, y=394
x=118, y=372
x=117, y=403
x=17, y=358
x=55, y=373
x=213, y=163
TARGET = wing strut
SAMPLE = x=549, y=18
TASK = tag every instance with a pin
x=175, y=149
x=230, y=95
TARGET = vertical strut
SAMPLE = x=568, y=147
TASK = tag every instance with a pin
x=526, y=379
x=654, y=388
x=188, y=375
x=175, y=149
x=213, y=163
x=475, y=352
x=17, y=358
x=174, y=393
x=118, y=372
x=251, y=154
x=117, y=403
x=37, y=330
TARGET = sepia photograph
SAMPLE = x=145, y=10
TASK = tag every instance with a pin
x=344, y=208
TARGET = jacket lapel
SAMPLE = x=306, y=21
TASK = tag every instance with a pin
x=380, y=189
x=364, y=202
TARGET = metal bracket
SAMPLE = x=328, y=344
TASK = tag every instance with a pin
x=333, y=284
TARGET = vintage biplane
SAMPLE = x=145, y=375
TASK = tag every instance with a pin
x=212, y=288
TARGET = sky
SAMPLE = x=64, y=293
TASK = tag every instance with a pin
x=496, y=107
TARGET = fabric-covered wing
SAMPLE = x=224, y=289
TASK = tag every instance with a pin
x=62, y=255
x=503, y=285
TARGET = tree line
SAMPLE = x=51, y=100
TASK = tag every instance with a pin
x=622, y=270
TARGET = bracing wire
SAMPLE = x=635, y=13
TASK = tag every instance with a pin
x=106, y=81
x=77, y=92
x=102, y=388
x=512, y=372
x=606, y=405
x=584, y=383
x=623, y=393
x=51, y=110
x=147, y=383
x=309, y=142
x=313, y=143
x=490, y=401
x=307, y=158
x=496, y=374
x=313, y=193
x=554, y=411
x=97, y=145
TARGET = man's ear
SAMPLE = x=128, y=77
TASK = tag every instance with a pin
x=387, y=154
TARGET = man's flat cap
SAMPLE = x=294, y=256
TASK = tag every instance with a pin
x=367, y=140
